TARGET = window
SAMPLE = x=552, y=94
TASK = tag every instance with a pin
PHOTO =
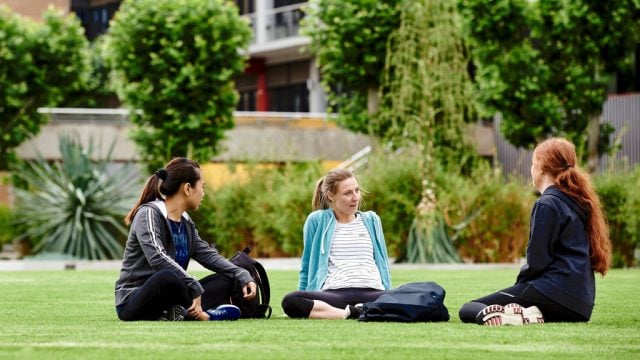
x=94, y=18
x=287, y=87
x=281, y=3
x=247, y=100
x=246, y=6
x=290, y=98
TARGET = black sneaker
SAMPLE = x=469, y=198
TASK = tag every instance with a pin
x=175, y=313
x=354, y=311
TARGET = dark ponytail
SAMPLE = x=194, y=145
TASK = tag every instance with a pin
x=166, y=182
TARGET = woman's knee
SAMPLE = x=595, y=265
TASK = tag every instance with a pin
x=296, y=306
x=468, y=312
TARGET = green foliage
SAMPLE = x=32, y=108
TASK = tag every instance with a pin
x=96, y=92
x=496, y=214
x=545, y=65
x=223, y=217
x=283, y=205
x=426, y=88
x=349, y=40
x=426, y=100
x=484, y=217
x=391, y=187
x=621, y=202
x=430, y=244
x=266, y=212
x=7, y=226
x=175, y=60
x=76, y=206
x=39, y=64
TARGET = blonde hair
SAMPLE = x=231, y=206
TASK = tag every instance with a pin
x=328, y=184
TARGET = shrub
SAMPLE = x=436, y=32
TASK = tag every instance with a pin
x=621, y=202
x=222, y=218
x=266, y=212
x=495, y=213
x=392, y=188
x=76, y=206
x=279, y=211
x=6, y=225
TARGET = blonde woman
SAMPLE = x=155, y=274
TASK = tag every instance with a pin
x=344, y=261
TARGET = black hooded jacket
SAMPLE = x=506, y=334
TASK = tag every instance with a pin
x=558, y=261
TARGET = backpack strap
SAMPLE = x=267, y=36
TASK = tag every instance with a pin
x=264, y=286
x=263, y=283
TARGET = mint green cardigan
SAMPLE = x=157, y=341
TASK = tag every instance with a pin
x=318, y=233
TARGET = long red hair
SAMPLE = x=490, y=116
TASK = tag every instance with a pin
x=557, y=157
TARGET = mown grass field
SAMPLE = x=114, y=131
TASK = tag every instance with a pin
x=70, y=315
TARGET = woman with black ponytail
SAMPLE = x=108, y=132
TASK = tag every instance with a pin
x=154, y=283
x=568, y=243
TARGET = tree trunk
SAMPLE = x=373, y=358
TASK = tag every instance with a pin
x=593, y=137
x=373, y=101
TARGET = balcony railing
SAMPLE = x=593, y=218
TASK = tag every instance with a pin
x=276, y=24
x=284, y=22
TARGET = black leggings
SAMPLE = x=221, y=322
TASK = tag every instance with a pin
x=165, y=289
x=524, y=295
x=299, y=304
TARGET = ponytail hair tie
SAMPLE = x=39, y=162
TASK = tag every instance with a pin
x=161, y=173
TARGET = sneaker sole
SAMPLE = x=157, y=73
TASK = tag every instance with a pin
x=532, y=315
x=511, y=314
x=498, y=315
x=176, y=313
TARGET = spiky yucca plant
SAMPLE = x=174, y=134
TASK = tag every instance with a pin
x=75, y=206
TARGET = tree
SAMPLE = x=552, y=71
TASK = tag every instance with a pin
x=426, y=101
x=175, y=60
x=96, y=92
x=349, y=40
x=39, y=64
x=546, y=65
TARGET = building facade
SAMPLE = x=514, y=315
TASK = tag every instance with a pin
x=280, y=76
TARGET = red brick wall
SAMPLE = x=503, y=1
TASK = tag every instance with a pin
x=34, y=8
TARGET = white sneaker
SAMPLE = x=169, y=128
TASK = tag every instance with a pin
x=511, y=314
x=532, y=315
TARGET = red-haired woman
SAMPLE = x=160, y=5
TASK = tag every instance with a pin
x=568, y=243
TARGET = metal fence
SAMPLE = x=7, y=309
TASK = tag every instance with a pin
x=621, y=111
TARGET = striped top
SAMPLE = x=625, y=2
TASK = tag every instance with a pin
x=351, y=263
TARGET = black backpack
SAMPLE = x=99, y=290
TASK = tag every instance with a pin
x=258, y=307
x=412, y=302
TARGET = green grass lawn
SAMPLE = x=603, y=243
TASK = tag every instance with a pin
x=70, y=315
